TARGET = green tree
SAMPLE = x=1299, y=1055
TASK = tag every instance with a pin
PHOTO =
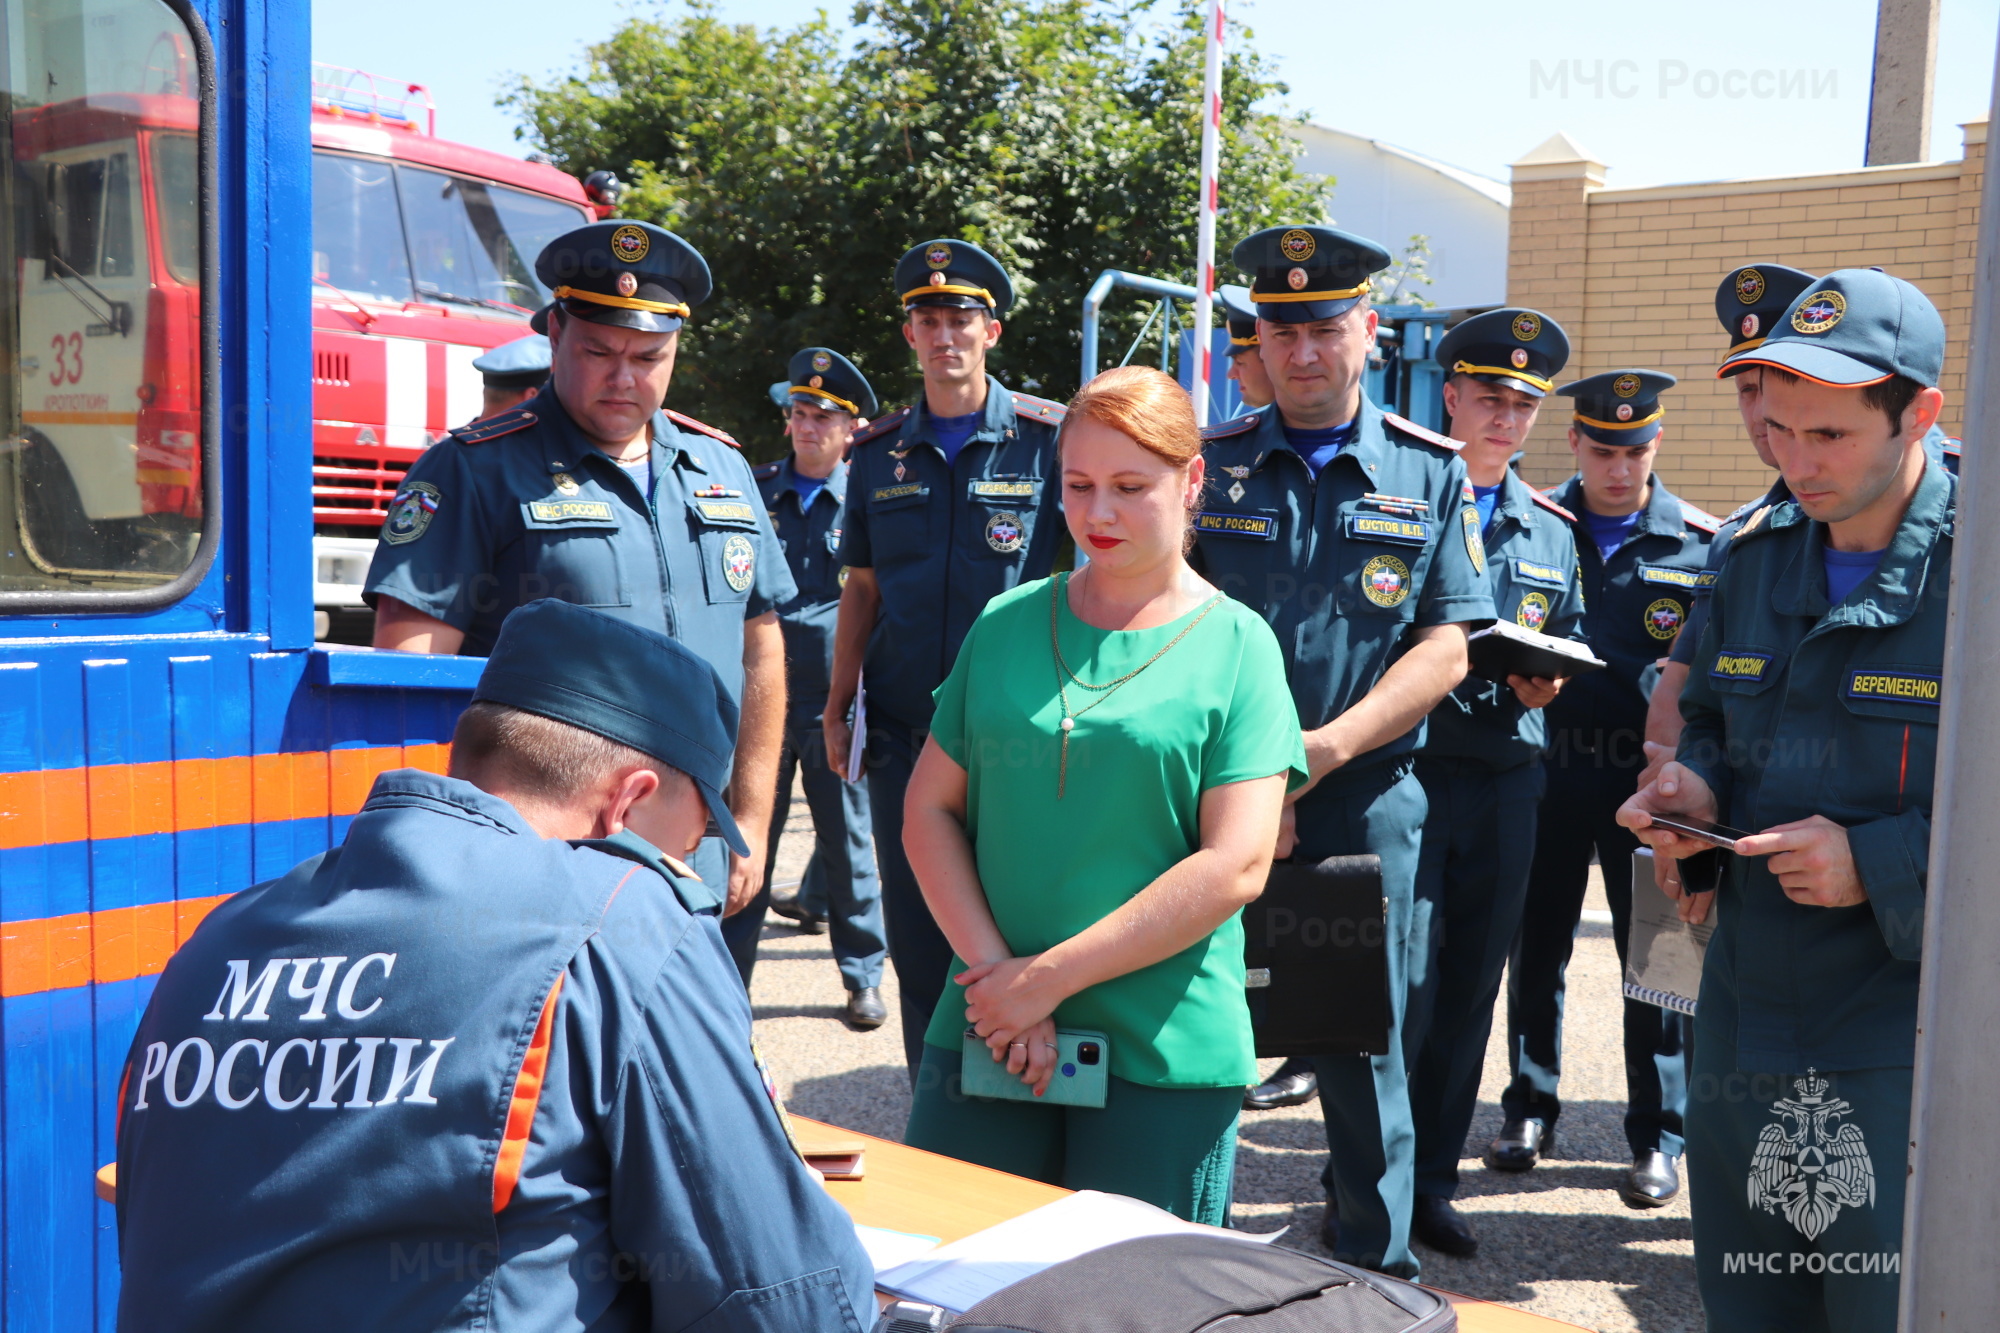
x=1061, y=135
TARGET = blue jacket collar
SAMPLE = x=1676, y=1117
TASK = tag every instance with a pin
x=1516, y=501
x=995, y=421
x=404, y=787
x=836, y=482
x=566, y=448
x=1661, y=516
x=1368, y=447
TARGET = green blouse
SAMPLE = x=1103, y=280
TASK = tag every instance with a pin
x=1214, y=710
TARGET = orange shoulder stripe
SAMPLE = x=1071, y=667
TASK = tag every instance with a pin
x=527, y=1096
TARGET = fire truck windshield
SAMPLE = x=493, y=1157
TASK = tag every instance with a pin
x=461, y=240
x=100, y=305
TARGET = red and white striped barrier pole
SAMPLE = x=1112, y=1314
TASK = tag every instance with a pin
x=1211, y=164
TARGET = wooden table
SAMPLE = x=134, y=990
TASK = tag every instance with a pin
x=908, y=1189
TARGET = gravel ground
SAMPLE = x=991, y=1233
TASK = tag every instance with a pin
x=1555, y=1241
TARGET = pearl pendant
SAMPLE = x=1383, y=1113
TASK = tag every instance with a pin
x=1069, y=724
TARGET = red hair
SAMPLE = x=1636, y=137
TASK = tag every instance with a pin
x=1142, y=403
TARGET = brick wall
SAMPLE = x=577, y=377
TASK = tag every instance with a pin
x=1631, y=276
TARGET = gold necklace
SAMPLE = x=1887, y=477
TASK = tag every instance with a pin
x=1105, y=690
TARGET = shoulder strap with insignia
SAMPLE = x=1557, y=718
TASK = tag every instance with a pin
x=764, y=471
x=701, y=427
x=881, y=426
x=1551, y=506
x=1755, y=523
x=479, y=432
x=1222, y=430
x=1424, y=433
x=1039, y=409
x=1699, y=519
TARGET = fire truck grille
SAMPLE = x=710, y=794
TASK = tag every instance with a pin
x=354, y=492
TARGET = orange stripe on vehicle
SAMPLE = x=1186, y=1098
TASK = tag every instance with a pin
x=527, y=1096
x=117, y=944
x=180, y=795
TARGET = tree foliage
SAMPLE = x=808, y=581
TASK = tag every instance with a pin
x=1062, y=135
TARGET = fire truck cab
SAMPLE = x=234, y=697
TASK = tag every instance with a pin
x=423, y=257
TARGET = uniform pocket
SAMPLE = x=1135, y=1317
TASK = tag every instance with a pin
x=815, y=1301
x=1004, y=512
x=726, y=530
x=571, y=553
x=899, y=522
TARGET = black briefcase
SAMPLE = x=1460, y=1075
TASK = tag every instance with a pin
x=1315, y=953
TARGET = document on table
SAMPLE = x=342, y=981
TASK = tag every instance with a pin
x=886, y=1249
x=1664, y=954
x=857, y=744
x=960, y=1275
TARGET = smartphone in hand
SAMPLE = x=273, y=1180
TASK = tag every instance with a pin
x=1701, y=830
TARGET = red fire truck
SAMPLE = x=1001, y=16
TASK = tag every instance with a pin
x=423, y=258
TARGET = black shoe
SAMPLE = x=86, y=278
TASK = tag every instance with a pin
x=865, y=1009
x=1294, y=1084
x=793, y=910
x=1651, y=1183
x=1521, y=1144
x=1439, y=1225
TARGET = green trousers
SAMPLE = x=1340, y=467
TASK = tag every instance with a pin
x=1172, y=1147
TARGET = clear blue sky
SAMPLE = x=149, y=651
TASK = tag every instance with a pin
x=1646, y=87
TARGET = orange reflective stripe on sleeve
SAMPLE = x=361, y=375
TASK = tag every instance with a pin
x=521, y=1111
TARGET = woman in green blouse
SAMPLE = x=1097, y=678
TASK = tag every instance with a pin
x=1098, y=799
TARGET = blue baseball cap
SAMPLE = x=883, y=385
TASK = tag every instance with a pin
x=624, y=682
x=1853, y=327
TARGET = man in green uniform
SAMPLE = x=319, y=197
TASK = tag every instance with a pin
x=1812, y=719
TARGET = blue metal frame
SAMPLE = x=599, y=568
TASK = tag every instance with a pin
x=112, y=721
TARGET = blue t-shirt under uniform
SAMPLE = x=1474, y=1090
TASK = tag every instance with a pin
x=953, y=432
x=1318, y=447
x=1485, y=499
x=808, y=489
x=1609, y=531
x=1846, y=570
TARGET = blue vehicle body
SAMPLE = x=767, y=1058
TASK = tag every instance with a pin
x=164, y=747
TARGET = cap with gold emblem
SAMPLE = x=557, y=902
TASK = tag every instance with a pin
x=1751, y=300
x=956, y=273
x=1519, y=349
x=631, y=274
x=1620, y=407
x=1854, y=327
x=822, y=377
x=1240, y=316
x=1300, y=274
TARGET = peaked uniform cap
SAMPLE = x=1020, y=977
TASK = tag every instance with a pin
x=1521, y=349
x=1620, y=407
x=1854, y=327
x=825, y=378
x=630, y=274
x=1302, y=274
x=1752, y=300
x=521, y=364
x=1239, y=315
x=624, y=682
x=952, y=273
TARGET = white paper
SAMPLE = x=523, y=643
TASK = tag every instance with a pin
x=857, y=743
x=960, y=1275
x=1665, y=953
x=886, y=1249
